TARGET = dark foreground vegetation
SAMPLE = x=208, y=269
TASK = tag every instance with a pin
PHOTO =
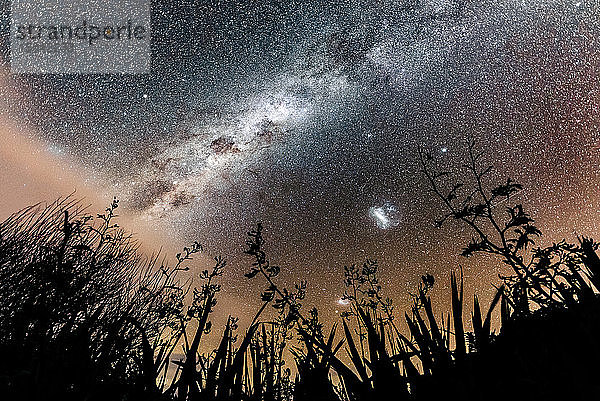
x=84, y=317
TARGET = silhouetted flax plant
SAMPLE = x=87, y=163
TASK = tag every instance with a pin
x=84, y=317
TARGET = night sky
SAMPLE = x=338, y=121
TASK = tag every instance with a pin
x=308, y=117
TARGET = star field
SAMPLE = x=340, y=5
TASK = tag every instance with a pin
x=308, y=117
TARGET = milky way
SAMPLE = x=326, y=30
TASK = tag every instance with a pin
x=308, y=117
